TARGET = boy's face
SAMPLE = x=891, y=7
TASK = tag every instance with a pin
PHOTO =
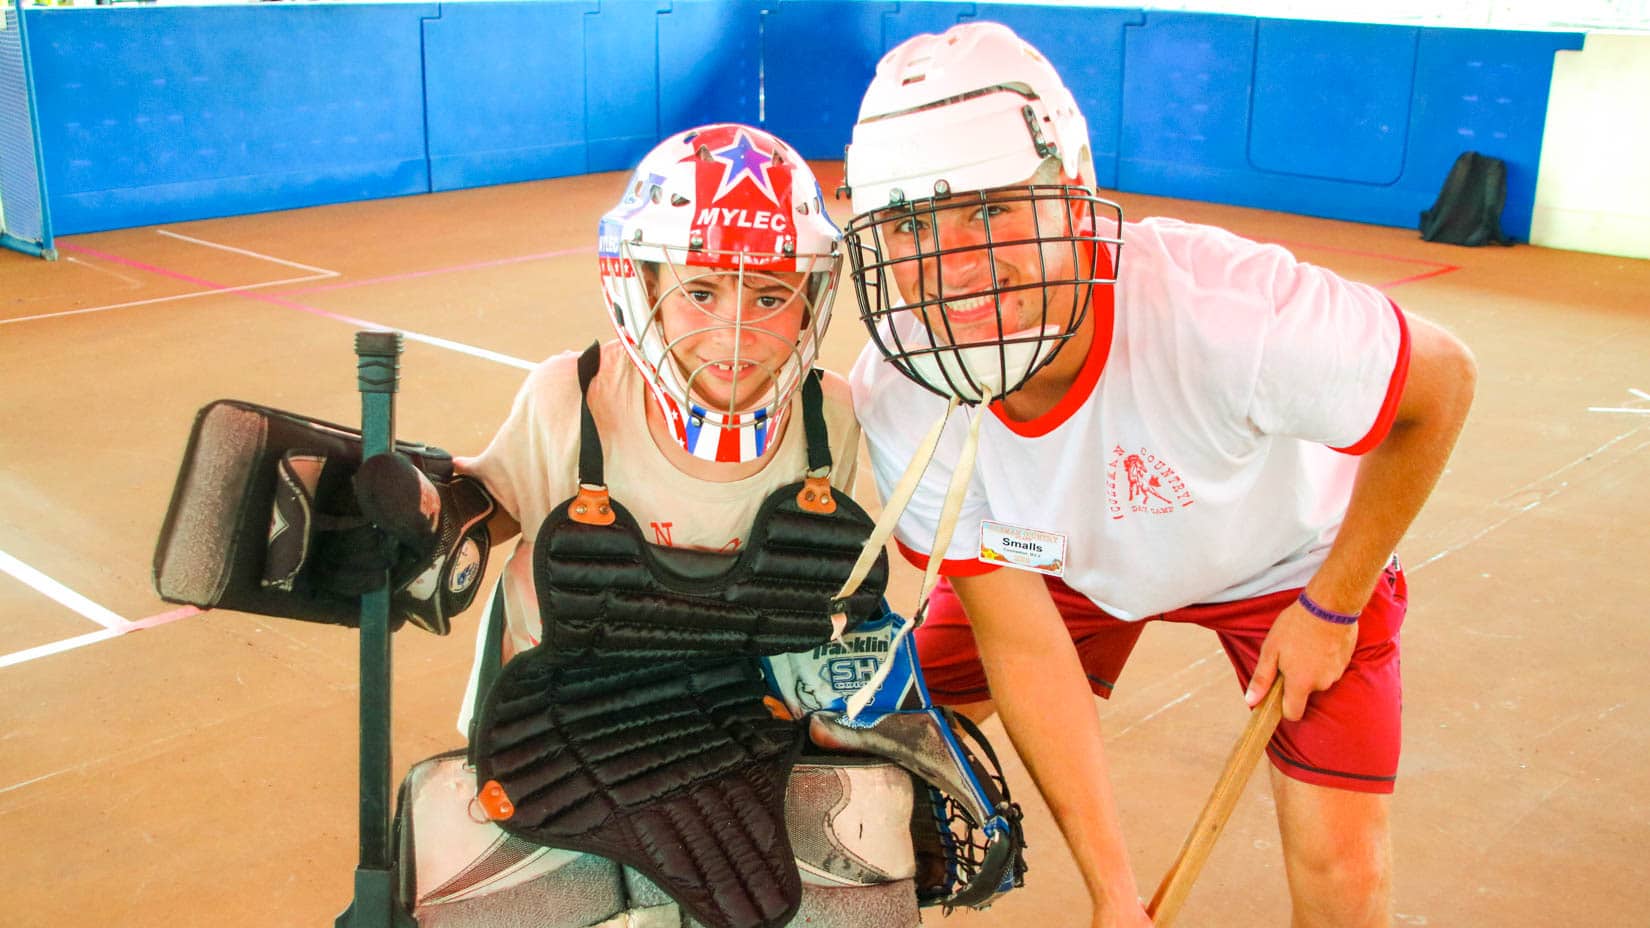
x=730, y=333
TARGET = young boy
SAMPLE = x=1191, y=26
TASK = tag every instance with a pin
x=718, y=267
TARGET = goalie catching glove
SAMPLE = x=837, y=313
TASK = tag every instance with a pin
x=969, y=841
x=265, y=519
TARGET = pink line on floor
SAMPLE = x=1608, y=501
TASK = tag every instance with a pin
x=274, y=300
x=1414, y=277
x=1438, y=267
x=201, y=282
x=497, y=262
x=117, y=259
x=163, y=618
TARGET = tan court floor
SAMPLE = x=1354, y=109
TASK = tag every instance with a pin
x=202, y=771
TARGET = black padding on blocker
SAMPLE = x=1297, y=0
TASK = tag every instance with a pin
x=258, y=492
x=676, y=769
x=606, y=593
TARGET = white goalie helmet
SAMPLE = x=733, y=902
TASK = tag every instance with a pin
x=973, y=123
x=718, y=267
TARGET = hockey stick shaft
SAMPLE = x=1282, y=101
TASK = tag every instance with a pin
x=1177, y=883
x=378, y=372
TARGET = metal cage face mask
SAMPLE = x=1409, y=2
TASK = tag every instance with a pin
x=970, y=294
x=725, y=347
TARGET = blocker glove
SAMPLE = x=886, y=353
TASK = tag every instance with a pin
x=431, y=536
x=265, y=518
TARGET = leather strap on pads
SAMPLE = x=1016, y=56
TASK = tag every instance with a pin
x=676, y=769
x=261, y=494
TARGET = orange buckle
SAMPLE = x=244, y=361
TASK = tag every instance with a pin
x=495, y=802
x=816, y=495
x=591, y=506
x=778, y=709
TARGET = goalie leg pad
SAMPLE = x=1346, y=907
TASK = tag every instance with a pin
x=848, y=818
x=458, y=869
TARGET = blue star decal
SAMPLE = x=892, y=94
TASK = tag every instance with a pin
x=745, y=159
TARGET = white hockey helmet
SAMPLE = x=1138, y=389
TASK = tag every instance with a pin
x=968, y=121
x=972, y=108
x=734, y=207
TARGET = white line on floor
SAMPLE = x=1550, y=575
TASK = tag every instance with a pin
x=57, y=647
x=251, y=254
x=51, y=589
x=164, y=299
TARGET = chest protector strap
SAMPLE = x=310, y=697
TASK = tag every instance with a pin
x=606, y=593
x=636, y=729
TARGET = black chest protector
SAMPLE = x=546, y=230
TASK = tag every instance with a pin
x=636, y=729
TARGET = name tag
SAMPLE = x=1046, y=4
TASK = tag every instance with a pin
x=1024, y=548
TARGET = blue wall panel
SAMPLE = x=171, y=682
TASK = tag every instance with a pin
x=1331, y=100
x=163, y=114
x=505, y=92
x=1483, y=90
x=1322, y=137
x=1186, y=88
x=710, y=64
x=820, y=57
x=621, y=83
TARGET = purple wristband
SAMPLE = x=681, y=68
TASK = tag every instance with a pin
x=1328, y=615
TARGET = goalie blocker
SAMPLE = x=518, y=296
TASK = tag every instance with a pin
x=265, y=518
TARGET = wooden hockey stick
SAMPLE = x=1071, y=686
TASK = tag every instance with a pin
x=1177, y=883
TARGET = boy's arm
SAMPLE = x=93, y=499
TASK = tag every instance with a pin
x=1039, y=687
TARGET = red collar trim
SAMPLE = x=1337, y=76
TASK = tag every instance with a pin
x=1104, y=312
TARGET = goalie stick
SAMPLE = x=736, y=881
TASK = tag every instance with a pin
x=374, y=906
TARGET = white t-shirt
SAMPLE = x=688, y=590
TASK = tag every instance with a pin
x=1192, y=461
x=531, y=467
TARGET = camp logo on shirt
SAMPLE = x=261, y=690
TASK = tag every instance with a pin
x=1140, y=481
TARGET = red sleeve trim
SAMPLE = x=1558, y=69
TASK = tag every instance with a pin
x=1394, y=393
x=969, y=567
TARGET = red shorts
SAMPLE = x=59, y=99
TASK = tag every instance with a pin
x=1348, y=738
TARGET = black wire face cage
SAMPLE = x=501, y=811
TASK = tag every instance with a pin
x=1052, y=243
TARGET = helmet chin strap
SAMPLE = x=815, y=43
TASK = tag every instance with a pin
x=977, y=373
x=897, y=501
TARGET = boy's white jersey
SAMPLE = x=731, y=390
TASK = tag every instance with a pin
x=1193, y=459
x=531, y=467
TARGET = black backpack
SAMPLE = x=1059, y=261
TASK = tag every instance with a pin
x=1468, y=209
